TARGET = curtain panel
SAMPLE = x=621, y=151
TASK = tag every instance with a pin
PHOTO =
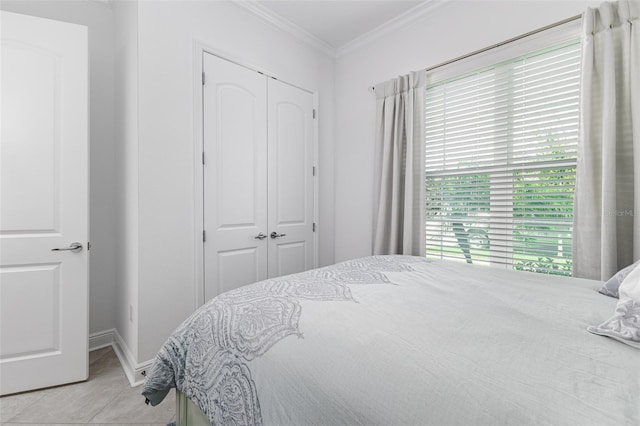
x=607, y=198
x=399, y=166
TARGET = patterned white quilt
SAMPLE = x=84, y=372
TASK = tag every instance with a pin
x=401, y=340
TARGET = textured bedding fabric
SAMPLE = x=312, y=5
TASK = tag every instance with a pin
x=396, y=340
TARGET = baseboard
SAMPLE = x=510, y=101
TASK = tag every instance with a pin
x=134, y=371
x=101, y=339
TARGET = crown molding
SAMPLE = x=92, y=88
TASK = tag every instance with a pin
x=287, y=26
x=102, y=2
x=394, y=24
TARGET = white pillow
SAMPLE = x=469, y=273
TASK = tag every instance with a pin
x=630, y=287
x=624, y=325
x=611, y=287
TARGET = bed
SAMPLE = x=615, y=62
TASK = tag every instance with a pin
x=394, y=340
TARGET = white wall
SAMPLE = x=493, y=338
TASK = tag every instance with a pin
x=98, y=17
x=453, y=29
x=167, y=163
x=126, y=177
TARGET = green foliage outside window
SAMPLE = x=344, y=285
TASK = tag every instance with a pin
x=540, y=218
x=543, y=220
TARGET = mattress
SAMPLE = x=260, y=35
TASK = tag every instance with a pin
x=400, y=340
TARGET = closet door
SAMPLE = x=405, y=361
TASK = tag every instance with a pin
x=235, y=175
x=291, y=196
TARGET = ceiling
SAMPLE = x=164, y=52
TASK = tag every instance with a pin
x=338, y=22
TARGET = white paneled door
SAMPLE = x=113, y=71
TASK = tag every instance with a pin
x=290, y=172
x=235, y=171
x=43, y=203
x=258, y=177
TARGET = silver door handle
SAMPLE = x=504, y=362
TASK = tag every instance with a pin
x=260, y=236
x=74, y=247
x=275, y=235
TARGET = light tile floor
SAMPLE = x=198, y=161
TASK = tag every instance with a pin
x=105, y=399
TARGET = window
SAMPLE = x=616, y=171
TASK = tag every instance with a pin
x=500, y=162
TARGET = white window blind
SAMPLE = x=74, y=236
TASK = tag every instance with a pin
x=500, y=162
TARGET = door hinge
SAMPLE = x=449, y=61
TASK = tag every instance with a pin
x=314, y=227
x=204, y=236
x=203, y=160
x=313, y=171
x=314, y=113
x=203, y=79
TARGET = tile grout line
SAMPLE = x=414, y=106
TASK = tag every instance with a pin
x=11, y=419
x=112, y=399
x=101, y=409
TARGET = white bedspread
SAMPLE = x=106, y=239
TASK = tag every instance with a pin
x=402, y=341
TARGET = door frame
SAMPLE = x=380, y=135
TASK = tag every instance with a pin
x=199, y=49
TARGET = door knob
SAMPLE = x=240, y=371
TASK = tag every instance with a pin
x=260, y=236
x=275, y=235
x=74, y=247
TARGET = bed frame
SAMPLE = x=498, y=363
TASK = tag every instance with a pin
x=187, y=413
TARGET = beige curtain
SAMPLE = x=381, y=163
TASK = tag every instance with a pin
x=607, y=199
x=399, y=166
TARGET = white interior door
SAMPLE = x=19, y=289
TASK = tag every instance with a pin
x=235, y=175
x=291, y=187
x=44, y=203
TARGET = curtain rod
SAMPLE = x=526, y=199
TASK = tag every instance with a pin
x=511, y=40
